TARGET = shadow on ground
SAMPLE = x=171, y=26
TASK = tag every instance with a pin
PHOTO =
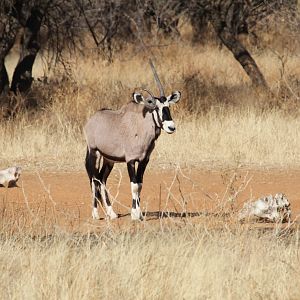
x=154, y=215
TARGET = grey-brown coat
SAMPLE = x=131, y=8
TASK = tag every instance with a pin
x=126, y=135
x=123, y=135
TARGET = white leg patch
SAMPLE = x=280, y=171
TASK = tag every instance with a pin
x=109, y=210
x=98, y=157
x=95, y=213
x=136, y=213
x=136, y=190
x=103, y=195
x=93, y=190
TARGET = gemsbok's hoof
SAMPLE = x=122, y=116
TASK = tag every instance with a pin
x=111, y=214
x=95, y=214
x=136, y=214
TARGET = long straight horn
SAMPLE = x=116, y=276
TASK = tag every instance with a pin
x=161, y=89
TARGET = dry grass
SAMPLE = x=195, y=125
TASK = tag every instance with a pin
x=168, y=263
x=216, y=139
x=44, y=254
x=220, y=120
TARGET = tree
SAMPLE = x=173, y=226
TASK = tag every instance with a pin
x=112, y=23
x=16, y=15
x=27, y=18
x=8, y=30
x=229, y=18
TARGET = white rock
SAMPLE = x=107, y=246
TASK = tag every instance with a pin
x=10, y=176
x=268, y=209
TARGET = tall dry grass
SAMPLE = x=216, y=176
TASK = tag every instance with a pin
x=220, y=120
x=217, y=139
x=142, y=263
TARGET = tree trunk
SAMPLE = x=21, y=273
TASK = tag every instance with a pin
x=241, y=54
x=22, y=77
x=4, y=81
x=226, y=19
x=8, y=31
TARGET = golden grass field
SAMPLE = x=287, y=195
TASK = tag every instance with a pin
x=226, y=119
x=222, y=122
x=187, y=262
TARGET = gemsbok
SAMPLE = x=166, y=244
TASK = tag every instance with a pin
x=126, y=135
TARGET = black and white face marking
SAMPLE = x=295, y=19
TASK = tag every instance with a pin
x=161, y=106
x=164, y=113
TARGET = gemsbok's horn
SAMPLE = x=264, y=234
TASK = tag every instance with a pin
x=160, y=87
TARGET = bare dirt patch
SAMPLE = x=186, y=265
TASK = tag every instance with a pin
x=64, y=198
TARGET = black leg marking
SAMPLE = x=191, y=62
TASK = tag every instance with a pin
x=135, y=203
x=102, y=177
x=131, y=171
x=141, y=170
x=139, y=177
x=136, y=180
x=90, y=165
x=133, y=180
x=98, y=180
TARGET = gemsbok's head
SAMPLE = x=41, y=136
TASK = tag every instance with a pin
x=161, y=104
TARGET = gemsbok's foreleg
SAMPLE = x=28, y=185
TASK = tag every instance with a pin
x=135, y=210
x=136, y=182
x=102, y=178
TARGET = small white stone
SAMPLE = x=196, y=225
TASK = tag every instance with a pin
x=271, y=209
x=10, y=175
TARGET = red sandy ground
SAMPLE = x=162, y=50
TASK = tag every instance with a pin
x=65, y=197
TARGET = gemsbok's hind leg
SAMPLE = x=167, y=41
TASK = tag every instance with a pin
x=136, y=182
x=102, y=177
x=92, y=162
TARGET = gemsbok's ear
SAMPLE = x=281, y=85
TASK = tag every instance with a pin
x=138, y=98
x=174, y=98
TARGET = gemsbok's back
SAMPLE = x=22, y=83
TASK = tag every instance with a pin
x=126, y=135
